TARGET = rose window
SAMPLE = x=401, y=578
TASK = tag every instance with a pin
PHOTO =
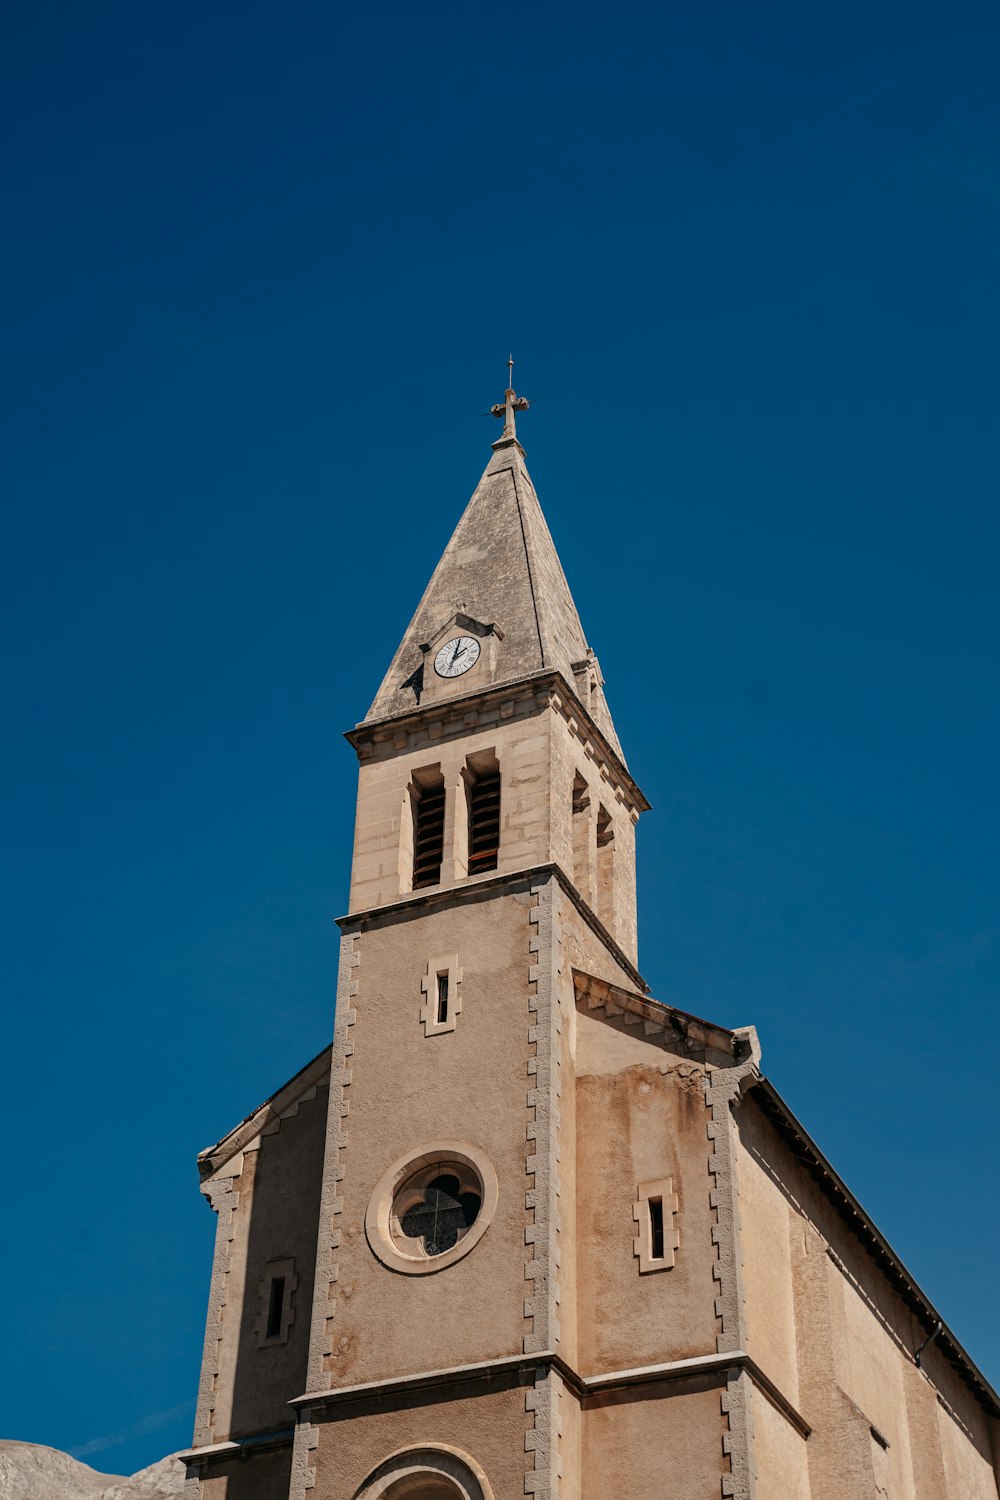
x=435, y=1208
x=431, y=1207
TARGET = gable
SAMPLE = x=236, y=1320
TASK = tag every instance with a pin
x=615, y=1025
x=604, y=1044
x=266, y=1118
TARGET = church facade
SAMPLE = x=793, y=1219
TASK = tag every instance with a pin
x=522, y=1229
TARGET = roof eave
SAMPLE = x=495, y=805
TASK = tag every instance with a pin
x=863, y=1226
x=693, y=1030
x=373, y=729
x=235, y=1141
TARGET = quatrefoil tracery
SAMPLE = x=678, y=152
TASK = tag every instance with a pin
x=432, y=1207
x=437, y=1208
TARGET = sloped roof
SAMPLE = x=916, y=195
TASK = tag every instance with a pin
x=501, y=567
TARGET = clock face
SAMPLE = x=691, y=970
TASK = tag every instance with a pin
x=457, y=656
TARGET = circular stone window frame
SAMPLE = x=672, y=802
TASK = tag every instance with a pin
x=411, y=1469
x=379, y=1213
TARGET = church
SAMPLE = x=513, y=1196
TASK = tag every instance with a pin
x=523, y=1229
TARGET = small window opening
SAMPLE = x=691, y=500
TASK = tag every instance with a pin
x=655, y=1228
x=275, y=1303
x=428, y=834
x=653, y=1211
x=484, y=822
x=442, y=998
x=605, y=828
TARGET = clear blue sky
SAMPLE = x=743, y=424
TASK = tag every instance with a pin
x=261, y=268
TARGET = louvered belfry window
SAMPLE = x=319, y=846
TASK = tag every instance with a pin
x=484, y=822
x=428, y=834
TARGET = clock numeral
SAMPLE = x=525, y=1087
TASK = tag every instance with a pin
x=457, y=656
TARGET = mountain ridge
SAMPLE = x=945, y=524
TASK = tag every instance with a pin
x=31, y=1471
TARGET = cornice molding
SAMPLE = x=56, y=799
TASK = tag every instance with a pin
x=549, y=689
x=244, y=1447
x=581, y=1385
x=482, y=886
x=693, y=1032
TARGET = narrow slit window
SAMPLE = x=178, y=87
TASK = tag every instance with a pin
x=655, y=1212
x=275, y=1306
x=484, y=822
x=656, y=1228
x=428, y=834
x=441, y=991
x=275, y=1313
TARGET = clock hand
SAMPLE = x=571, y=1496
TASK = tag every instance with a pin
x=459, y=649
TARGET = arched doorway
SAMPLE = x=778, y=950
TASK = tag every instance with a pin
x=419, y=1488
x=434, y=1472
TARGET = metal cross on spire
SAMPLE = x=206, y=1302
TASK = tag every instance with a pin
x=510, y=404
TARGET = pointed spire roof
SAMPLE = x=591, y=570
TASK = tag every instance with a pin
x=501, y=567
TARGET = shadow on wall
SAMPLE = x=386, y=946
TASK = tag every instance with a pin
x=271, y=1367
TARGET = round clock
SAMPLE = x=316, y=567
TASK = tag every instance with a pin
x=457, y=656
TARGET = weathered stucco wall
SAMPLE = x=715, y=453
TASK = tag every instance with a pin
x=581, y=948
x=768, y=1287
x=660, y=1442
x=578, y=948
x=264, y=1476
x=281, y=1226
x=604, y=878
x=275, y=1218
x=489, y=1424
x=967, y=1470
x=781, y=1454
x=409, y=1087
x=827, y=1327
x=640, y=1116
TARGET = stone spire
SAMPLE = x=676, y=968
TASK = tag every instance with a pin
x=501, y=568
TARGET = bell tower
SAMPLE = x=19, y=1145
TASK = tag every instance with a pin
x=494, y=854
x=489, y=748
